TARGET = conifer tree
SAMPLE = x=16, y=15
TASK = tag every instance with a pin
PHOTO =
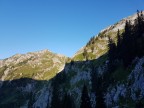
x=100, y=92
x=67, y=102
x=126, y=50
x=119, y=40
x=56, y=102
x=138, y=33
x=85, y=100
x=30, y=103
x=111, y=53
x=55, y=98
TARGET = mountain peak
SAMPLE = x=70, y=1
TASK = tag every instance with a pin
x=41, y=52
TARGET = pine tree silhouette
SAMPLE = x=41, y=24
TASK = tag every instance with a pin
x=129, y=43
x=100, y=92
x=111, y=54
x=30, y=103
x=119, y=41
x=85, y=100
x=67, y=102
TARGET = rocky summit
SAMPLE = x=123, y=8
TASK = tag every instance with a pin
x=105, y=73
x=34, y=65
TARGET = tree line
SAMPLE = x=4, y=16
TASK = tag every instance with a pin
x=130, y=43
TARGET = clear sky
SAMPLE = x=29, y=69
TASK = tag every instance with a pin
x=62, y=26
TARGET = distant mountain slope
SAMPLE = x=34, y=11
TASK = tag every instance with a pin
x=97, y=45
x=41, y=65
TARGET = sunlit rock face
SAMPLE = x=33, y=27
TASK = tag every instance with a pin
x=37, y=65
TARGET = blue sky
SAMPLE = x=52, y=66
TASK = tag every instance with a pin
x=62, y=26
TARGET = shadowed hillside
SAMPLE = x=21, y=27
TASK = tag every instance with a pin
x=24, y=91
x=110, y=88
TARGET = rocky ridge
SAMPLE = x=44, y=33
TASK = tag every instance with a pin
x=99, y=47
x=41, y=63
